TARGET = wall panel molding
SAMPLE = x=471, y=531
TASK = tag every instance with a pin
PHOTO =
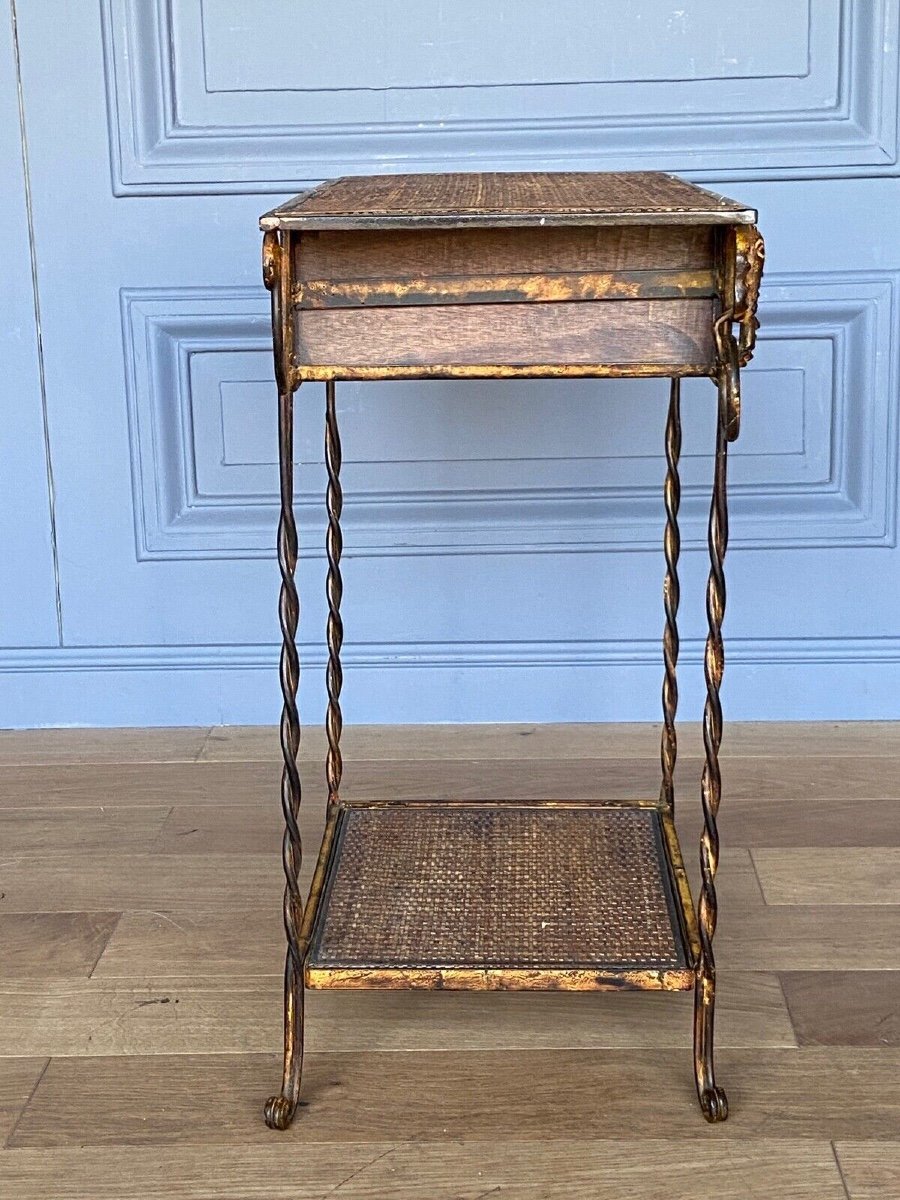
x=815, y=468
x=841, y=678
x=197, y=103
x=381, y=656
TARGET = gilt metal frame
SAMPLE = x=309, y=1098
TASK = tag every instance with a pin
x=743, y=258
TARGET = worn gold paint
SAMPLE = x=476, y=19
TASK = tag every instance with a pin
x=749, y=257
x=685, y=901
x=499, y=979
x=321, y=372
x=458, y=803
x=319, y=876
x=505, y=289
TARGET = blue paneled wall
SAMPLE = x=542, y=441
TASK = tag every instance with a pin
x=503, y=539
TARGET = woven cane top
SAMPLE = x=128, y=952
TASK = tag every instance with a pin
x=498, y=887
x=511, y=198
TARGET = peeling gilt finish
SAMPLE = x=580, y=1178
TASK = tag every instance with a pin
x=636, y=252
x=498, y=979
x=750, y=255
x=506, y=289
x=323, y=372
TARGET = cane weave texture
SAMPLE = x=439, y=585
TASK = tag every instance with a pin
x=548, y=197
x=502, y=886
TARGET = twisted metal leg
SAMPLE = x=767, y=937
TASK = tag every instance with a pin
x=280, y=1109
x=335, y=588
x=671, y=597
x=712, y=1098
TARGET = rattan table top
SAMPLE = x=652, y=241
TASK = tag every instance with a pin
x=506, y=198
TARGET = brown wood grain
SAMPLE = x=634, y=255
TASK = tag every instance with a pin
x=511, y=1170
x=104, y=1016
x=824, y=875
x=378, y=254
x=870, y=1170
x=49, y=946
x=767, y=739
x=809, y=937
x=533, y=1094
x=18, y=1078
x=273, y=1172
x=817, y=1092
x=844, y=778
x=49, y=830
x=107, y=784
x=810, y=822
x=106, y=881
x=844, y=1008
x=664, y=333
x=191, y=944
x=44, y=746
x=231, y=828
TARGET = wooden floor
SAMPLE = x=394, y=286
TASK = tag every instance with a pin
x=140, y=964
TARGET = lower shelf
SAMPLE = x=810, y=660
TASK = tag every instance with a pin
x=502, y=896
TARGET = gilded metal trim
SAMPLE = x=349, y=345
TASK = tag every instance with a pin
x=749, y=258
x=506, y=289
x=682, y=887
x=322, y=372
x=676, y=979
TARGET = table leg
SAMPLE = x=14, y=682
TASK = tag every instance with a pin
x=712, y=1098
x=335, y=589
x=280, y=1109
x=671, y=596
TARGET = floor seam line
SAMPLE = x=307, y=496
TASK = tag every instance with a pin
x=37, y=1083
x=840, y=1169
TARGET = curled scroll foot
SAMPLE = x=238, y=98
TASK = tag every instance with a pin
x=279, y=1112
x=714, y=1104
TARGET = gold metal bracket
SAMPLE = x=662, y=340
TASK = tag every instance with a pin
x=750, y=255
x=728, y=374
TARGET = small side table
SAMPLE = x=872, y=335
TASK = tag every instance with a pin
x=496, y=276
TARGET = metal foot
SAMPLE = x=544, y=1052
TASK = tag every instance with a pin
x=280, y=1110
x=712, y=1099
x=714, y=1104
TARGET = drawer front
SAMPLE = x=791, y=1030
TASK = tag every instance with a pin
x=631, y=300
x=618, y=334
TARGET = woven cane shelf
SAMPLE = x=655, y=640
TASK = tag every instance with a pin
x=495, y=896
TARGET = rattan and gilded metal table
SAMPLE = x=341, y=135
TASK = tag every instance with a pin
x=489, y=276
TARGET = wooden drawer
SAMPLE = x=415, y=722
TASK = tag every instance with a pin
x=516, y=301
